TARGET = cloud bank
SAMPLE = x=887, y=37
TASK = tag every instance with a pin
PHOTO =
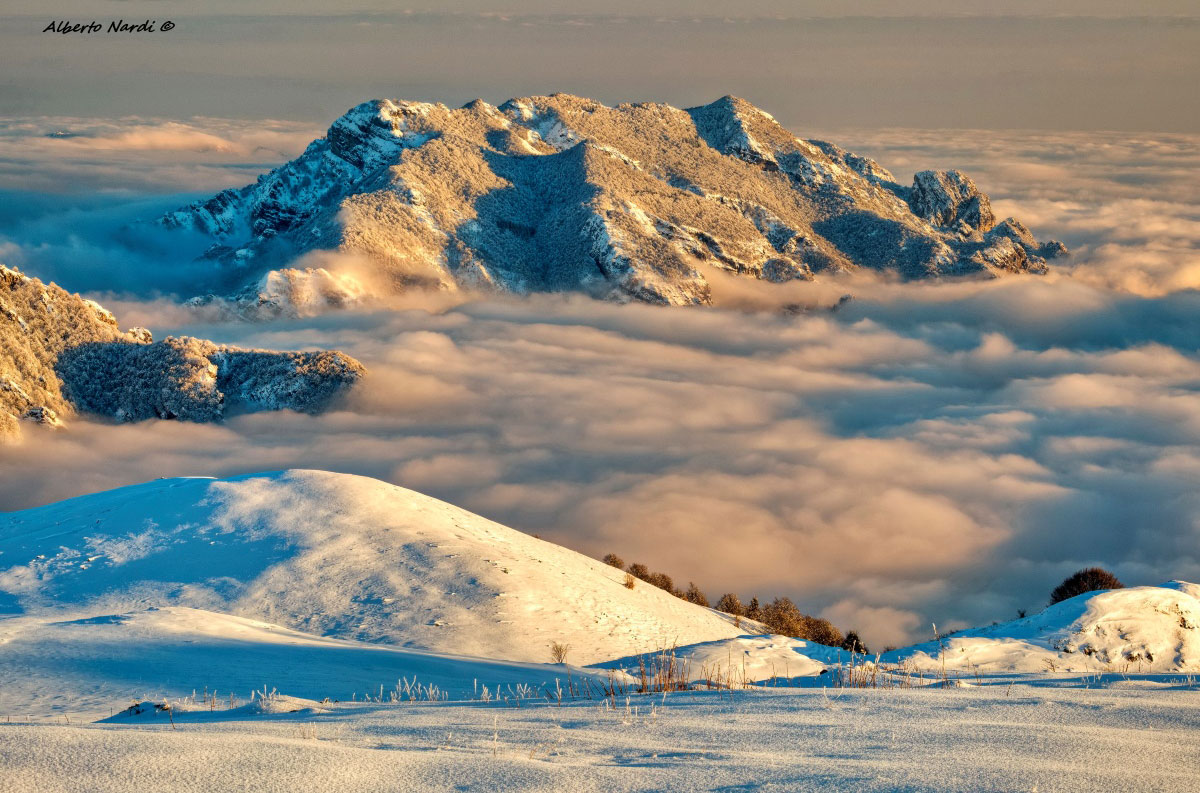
x=883, y=474
x=925, y=452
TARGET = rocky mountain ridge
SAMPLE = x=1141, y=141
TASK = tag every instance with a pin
x=562, y=193
x=62, y=353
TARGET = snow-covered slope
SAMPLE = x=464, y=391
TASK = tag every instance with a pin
x=87, y=662
x=60, y=353
x=337, y=556
x=564, y=193
x=327, y=584
x=1139, y=629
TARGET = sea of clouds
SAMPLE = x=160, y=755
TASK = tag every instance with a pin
x=924, y=452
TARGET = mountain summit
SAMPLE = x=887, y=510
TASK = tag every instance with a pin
x=562, y=193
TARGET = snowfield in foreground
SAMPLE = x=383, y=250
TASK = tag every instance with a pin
x=1131, y=736
x=408, y=641
x=81, y=669
x=331, y=585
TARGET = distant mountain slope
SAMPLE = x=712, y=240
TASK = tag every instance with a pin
x=60, y=353
x=1139, y=629
x=564, y=193
x=338, y=556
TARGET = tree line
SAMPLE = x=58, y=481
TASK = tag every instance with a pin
x=780, y=615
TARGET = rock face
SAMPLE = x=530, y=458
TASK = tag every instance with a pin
x=62, y=353
x=950, y=198
x=563, y=193
x=196, y=380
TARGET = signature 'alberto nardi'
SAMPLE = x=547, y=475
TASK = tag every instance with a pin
x=65, y=26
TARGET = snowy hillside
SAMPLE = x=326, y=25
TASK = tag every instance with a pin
x=550, y=193
x=1139, y=629
x=61, y=353
x=86, y=662
x=332, y=585
x=337, y=556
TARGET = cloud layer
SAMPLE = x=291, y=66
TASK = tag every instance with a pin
x=926, y=452
x=882, y=474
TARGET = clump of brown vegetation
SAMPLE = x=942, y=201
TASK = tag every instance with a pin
x=612, y=560
x=558, y=652
x=780, y=616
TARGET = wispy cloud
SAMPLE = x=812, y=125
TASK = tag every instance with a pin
x=79, y=155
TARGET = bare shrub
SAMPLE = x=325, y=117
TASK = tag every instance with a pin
x=1090, y=579
x=612, y=560
x=558, y=652
x=639, y=571
x=630, y=581
x=821, y=631
x=854, y=644
x=781, y=616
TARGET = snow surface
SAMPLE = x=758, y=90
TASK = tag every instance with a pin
x=332, y=585
x=745, y=660
x=977, y=739
x=1140, y=629
x=84, y=667
x=114, y=604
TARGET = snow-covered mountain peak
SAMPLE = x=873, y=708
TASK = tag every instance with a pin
x=455, y=198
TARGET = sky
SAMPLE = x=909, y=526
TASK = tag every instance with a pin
x=926, y=453
x=1056, y=65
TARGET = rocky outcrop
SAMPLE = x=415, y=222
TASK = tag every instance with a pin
x=562, y=193
x=196, y=380
x=950, y=199
x=61, y=354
